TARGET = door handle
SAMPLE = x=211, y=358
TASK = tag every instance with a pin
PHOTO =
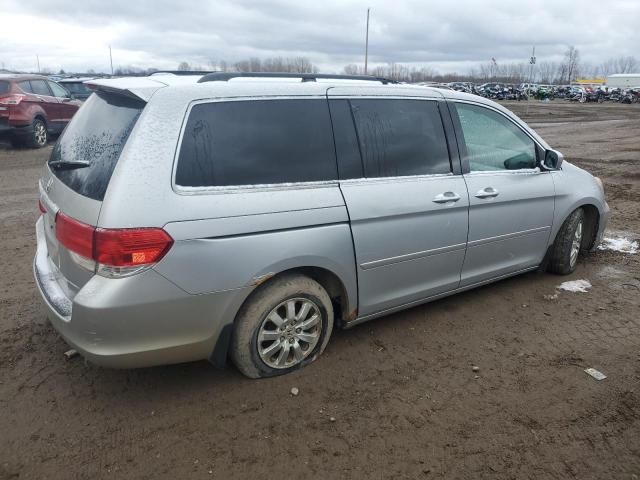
x=488, y=192
x=446, y=197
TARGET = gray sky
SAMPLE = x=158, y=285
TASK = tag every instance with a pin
x=445, y=35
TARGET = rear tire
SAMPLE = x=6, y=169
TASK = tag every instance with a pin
x=38, y=134
x=568, y=244
x=284, y=326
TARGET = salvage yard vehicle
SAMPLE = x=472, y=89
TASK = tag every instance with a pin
x=77, y=87
x=225, y=216
x=32, y=107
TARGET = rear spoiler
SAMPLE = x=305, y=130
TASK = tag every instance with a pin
x=141, y=88
x=135, y=87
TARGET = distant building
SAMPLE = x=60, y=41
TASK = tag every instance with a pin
x=624, y=80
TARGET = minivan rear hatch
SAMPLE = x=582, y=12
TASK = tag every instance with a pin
x=75, y=180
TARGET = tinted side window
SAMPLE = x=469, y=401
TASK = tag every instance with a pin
x=493, y=142
x=39, y=87
x=401, y=137
x=25, y=86
x=4, y=87
x=257, y=142
x=344, y=134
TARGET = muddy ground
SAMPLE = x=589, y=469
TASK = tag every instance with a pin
x=401, y=390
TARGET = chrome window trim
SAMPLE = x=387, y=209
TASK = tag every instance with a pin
x=403, y=178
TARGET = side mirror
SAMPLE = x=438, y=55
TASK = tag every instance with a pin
x=552, y=160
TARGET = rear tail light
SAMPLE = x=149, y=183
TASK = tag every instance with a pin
x=74, y=235
x=114, y=252
x=131, y=247
x=12, y=99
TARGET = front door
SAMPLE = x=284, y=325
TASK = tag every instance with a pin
x=66, y=106
x=511, y=202
x=409, y=213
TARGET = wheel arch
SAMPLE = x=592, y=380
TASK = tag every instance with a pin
x=592, y=225
x=345, y=307
x=593, y=215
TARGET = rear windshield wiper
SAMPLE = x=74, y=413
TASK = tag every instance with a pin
x=68, y=164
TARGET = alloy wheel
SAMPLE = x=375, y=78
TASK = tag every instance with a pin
x=289, y=333
x=40, y=133
x=575, y=245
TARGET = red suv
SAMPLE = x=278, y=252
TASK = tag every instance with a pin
x=32, y=107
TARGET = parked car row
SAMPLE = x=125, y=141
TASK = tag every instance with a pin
x=525, y=91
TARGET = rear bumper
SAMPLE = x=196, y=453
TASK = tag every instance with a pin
x=138, y=321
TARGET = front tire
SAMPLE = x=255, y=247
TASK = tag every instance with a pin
x=568, y=244
x=284, y=326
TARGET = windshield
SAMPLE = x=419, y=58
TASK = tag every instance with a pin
x=87, y=152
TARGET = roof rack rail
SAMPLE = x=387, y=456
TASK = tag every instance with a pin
x=305, y=77
x=183, y=72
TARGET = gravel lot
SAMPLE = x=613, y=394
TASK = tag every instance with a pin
x=401, y=391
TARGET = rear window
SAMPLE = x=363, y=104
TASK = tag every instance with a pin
x=87, y=152
x=257, y=142
x=4, y=87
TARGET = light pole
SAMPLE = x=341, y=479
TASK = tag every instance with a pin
x=111, y=60
x=366, y=45
x=532, y=62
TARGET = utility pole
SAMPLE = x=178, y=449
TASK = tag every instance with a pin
x=366, y=45
x=111, y=60
x=38, y=61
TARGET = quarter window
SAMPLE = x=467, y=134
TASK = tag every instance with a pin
x=492, y=142
x=400, y=137
x=257, y=142
x=25, y=86
x=39, y=87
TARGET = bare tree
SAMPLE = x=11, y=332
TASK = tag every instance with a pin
x=626, y=65
x=353, y=69
x=276, y=64
x=184, y=66
x=571, y=63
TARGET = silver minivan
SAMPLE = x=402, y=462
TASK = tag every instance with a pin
x=234, y=216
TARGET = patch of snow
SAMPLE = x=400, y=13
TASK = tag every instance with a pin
x=575, y=286
x=619, y=244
